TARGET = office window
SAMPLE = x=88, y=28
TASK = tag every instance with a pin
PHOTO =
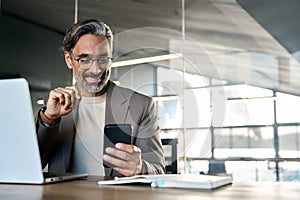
x=288, y=109
x=169, y=113
x=250, y=171
x=244, y=143
x=198, y=143
x=195, y=100
x=247, y=105
x=198, y=166
x=290, y=171
x=289, y=141
x=198, y=110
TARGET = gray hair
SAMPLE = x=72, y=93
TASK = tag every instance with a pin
x=88, y=26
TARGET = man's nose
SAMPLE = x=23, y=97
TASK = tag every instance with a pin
x=95, y=68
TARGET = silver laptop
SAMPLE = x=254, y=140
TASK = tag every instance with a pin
x=19, y=152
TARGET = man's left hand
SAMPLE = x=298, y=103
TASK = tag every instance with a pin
x=127, y=159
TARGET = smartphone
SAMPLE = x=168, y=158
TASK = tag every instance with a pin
x=116, y=133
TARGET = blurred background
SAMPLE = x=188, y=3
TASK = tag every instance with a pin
x=225, y=74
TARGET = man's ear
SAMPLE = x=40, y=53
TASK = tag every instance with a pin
x=68, y=59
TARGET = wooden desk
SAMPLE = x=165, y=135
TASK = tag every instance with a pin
x=88, y=189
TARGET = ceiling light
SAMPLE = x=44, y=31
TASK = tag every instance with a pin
x=146, y=60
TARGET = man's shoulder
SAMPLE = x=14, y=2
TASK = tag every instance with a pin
x=130, y=92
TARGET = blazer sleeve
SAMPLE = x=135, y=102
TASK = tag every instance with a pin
x=47, y=139
x=148, y=140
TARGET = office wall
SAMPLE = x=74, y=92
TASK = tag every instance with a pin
x=32, y=51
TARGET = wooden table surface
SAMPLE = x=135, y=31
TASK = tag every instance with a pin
x=89, y=190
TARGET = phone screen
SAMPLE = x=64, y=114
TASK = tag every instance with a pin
x=116, y=133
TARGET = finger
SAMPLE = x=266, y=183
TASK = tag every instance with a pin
x=76, y=95
x=70, y=96
x=131, y=171
x=58, y=95
x=55, y=97
x=65, y=97
x=127, y=147
x=75, y=90
x=126, y=163
x=115, y=161
x=125, y=172
x=130, y=161
x=119, y=154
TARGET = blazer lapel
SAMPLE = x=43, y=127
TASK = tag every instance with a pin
x=117, y=105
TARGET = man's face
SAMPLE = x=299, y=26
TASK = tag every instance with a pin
x=90, y=60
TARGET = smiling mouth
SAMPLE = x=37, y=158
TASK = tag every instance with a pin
x=92, y=79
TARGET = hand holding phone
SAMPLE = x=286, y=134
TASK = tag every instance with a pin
x=116, y=133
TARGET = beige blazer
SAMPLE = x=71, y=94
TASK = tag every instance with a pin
x=122, y=106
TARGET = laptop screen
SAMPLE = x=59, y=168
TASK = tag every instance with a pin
x=19, y=152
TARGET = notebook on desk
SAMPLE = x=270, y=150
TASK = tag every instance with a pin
x=187, y=181
x=19, y=152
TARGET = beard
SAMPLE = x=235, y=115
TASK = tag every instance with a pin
x=92, y=87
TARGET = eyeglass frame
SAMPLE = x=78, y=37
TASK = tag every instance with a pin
x=79, y=60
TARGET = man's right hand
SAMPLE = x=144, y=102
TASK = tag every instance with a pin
x=62, y=101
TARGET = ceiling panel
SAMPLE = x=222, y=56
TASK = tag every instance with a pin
x=228, y=29
x=279, y=17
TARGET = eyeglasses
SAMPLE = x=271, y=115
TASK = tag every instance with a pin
x=86, y=63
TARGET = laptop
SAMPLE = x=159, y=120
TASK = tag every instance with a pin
x=19, y=152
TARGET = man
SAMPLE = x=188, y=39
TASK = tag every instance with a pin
x=70, y=126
